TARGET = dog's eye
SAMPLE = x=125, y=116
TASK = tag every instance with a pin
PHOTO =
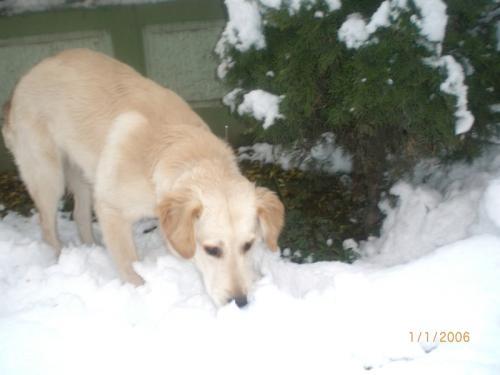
x=247, y=246
x=213, y=251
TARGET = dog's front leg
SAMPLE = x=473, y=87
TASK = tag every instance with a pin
x=117, y=233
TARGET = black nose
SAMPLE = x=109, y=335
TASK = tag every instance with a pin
x=241, y=301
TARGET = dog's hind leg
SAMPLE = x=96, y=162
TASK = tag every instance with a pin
x=82, y=195
x=46, y=200
x=41, y=170
x=45, y=183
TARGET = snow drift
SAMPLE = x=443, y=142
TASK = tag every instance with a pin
x=435, y=268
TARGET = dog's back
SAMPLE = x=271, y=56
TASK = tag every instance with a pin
x=70, y=101
x=74, y=97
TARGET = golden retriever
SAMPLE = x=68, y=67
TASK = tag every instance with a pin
x=131, y=148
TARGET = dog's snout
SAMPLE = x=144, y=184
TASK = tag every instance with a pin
x=241, y=301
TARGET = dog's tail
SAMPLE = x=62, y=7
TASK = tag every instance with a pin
x=7, y=127
x=6, y=112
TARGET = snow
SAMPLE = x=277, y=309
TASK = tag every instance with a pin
x=491, y=202
x=73, y=316
x=230, y=98
x=243, y=31
x=453, y=204
x=273, y=4
x=226, y=64
x=244, y=27
x=353, y=31
x=319, y=14
x=495, y=108
x=455, y=85
x=333, y=5
x=294, y=6
x=20, y=6
x=324, y=156
x=262, y=105
x=433, y=20
x=381, y=17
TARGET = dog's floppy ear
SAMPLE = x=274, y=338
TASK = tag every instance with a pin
x=271, y=214
x=177, y=213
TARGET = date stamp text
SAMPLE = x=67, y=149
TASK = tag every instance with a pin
x=439, y=336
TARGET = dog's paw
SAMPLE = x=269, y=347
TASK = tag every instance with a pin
x=134, y=279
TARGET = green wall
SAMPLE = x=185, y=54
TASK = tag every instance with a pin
x=181, y=58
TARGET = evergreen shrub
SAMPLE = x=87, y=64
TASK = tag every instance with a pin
x=384, y=100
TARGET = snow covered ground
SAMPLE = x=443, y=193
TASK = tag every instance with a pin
x=435, y=268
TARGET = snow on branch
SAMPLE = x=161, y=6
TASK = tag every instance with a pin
x=262, y=105
x=455, y=85
x=325, y=156
x=431, y=21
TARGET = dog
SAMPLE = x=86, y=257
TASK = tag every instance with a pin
x=84, y=122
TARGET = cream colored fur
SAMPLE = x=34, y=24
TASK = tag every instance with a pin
x=85, y=122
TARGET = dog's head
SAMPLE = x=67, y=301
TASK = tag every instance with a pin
x=217, y=228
